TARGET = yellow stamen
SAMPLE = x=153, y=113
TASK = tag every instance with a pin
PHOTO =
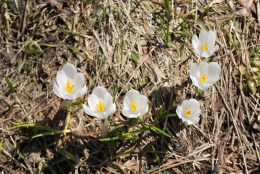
x=204, y=46
x=133, y=106
x=188, y=112
x=100, y=106
x=203, y=78
x=69, y=87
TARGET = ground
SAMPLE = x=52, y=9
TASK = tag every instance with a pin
x=125, y=44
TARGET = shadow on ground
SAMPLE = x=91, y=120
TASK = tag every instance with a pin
x=64, y=154
x=84, y=154
x=165, y=99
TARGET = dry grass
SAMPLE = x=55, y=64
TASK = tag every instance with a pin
x=123, y=45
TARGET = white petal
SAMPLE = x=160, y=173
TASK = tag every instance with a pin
x=179, y=111
x=216, y=48
x=61, y=79
x=111, y=110
x=189, y=104
x=144, y=112
x=203, y=36
x=107, y=113
x=57, y=91
x=185, y=119
x=108, y=101
x=82, y=92
x=92, y=101
x=195, y=118
x=101, y=94
x=142, y=103
x=189, y=122
x=70, y=70
x=214, y=72
x=196, y=83
x=185, y=105
x=102, y=115
x=203, y=68
x=135, y=115
x=92, y=113
x=213, y=50
x=70, y=96
x=195, y=75
x=127, y=103
x=195, y=43
x=206, y=54
x=79, y=82
x=197, y=112
x=125, y=112
x=194, y=72
x=132, y=94
x=195, y=107
x=99, y=91
x=199, y=51
x=211, y=39
x=130, y=115
x=204, y=86
x=194, y=103
x=143, y=100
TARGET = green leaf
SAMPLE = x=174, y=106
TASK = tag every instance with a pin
x=21, y=156
x=158, y=130
x=1, y=145
x=52, y=132
x=126, y=135
x=135, y=58
x=109, y=139
x=29, y=125
x=67, y=104
x=68, y=155
x=10, y=85
x=66, y=124
x=45, y=131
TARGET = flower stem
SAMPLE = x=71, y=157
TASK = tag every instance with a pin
x=67, y=120
x=135, y=121
x=200, y=92
x=105, y=128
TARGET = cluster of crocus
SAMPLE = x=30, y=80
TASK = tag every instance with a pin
x=71, y=85
x=203, y=75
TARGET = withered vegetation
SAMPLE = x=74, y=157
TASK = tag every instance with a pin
x=124, y=44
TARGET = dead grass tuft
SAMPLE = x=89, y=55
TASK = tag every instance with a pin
x=145, y=45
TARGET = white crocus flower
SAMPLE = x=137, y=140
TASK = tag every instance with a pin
x=204, y=45
x=135, y=105
x=100, y=103
x=70, y=84
x=189, y=111
x=204, y=75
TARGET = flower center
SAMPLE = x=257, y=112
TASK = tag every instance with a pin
x=100, y=106
x=188, y=112
x=204, y=46
x=133, y=106
x=69, y=87
x=203, y=78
